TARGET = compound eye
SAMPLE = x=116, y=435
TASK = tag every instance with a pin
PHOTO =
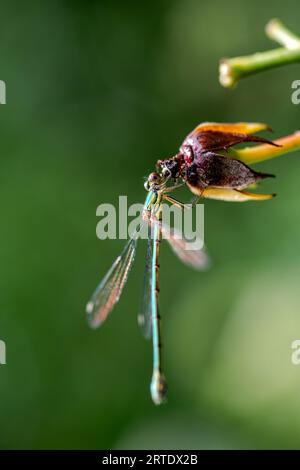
x=153, y=178
x=188, y=154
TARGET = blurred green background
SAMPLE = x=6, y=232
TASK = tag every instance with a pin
x=96, y=92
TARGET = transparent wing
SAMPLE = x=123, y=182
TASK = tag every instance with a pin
x=145, y=315
x=197, y=258
x=110, y=288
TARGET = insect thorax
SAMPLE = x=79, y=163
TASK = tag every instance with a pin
x=171, y=167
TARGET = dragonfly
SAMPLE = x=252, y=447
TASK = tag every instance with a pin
x=110, y=288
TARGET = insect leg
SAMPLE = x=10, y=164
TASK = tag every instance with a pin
x=177, y=203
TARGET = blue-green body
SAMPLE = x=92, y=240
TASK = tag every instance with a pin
x=158, y=385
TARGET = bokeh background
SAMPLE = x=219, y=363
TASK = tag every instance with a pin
x=96, y=92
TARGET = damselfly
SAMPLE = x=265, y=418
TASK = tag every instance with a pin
x=110, y=288
x=208, y=174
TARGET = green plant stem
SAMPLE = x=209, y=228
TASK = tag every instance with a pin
x=232, y=70
x=276, y=30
